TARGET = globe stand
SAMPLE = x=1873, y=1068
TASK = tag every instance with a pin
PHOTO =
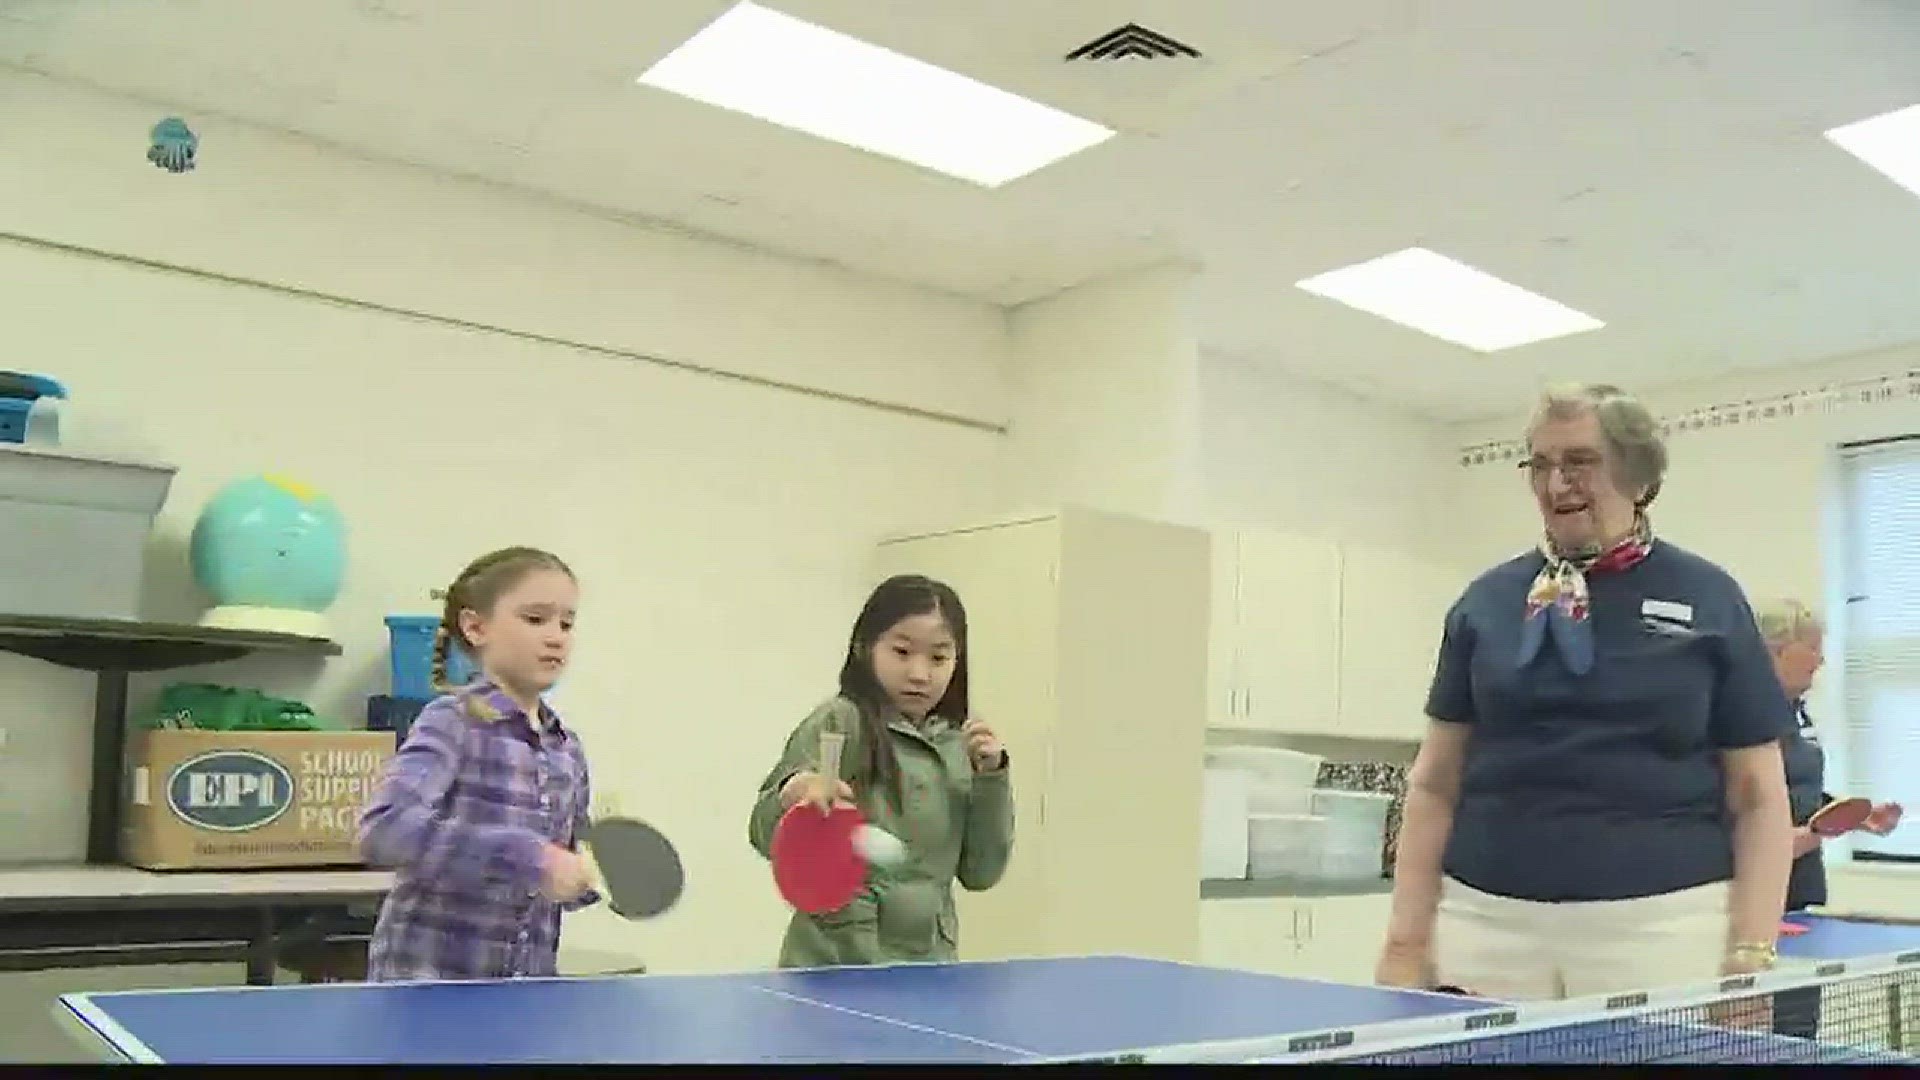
x=308, y=624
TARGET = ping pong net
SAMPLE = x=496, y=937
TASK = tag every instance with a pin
x=1855, y=1012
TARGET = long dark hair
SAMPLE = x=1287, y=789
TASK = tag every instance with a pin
x=893, y=600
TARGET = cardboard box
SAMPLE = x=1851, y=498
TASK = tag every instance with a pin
x=224, y=800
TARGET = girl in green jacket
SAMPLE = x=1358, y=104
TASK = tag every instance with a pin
x=919, y=768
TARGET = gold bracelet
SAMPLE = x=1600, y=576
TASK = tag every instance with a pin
x=1762, y=953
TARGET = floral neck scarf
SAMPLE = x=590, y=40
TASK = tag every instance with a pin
x=1558, y=603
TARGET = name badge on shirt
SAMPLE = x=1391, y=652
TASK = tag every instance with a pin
x=1667, y=617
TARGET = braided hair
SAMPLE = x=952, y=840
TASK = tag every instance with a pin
x=478, y=588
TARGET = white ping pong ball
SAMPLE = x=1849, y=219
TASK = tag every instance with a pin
x=880, y=847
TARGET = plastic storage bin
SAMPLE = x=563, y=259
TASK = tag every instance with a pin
x=1285, y=845
x=1223, y=824
x=1356, y=833
x=76, y=528
x=13, y=419
x=395, y=714
x=21, y=396
x=1271, y=764
x=410, y=655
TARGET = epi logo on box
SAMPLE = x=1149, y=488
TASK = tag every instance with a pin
x=229, y=790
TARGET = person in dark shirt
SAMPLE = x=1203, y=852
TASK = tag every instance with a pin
x=1600, y=803
x=1795, y=637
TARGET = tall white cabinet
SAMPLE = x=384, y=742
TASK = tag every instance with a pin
x=1089, y=654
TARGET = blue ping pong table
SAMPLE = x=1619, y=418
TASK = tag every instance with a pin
x=1004, y=1012
x=1839, y=937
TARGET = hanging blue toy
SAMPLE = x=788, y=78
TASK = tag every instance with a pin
x=173, y=145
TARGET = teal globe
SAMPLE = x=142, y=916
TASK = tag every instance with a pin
x=272, y=553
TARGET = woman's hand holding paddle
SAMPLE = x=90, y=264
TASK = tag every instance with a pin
x=1805, y=841
x=1883, y=819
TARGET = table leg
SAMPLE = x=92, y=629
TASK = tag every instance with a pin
x=260, y=952
x=109, y=765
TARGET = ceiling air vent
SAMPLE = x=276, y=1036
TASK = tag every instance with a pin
x=1131, y=42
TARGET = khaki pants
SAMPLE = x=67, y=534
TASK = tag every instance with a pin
x=1525, y=950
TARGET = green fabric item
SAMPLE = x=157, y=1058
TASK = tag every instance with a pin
x=206, y=707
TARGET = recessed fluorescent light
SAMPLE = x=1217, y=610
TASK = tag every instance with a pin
x=793, y=73
x=1889, y=142
x=1450, y=300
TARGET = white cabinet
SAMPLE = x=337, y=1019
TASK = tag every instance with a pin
x=1343, y=937
x=1392, y=607
x=1333, y=938
x=1252, y=935
x=1275, y=653
x=1087, y=644
x=1311, y=637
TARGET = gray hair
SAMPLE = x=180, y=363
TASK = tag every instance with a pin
x=1638, y=452
x=1782, y=621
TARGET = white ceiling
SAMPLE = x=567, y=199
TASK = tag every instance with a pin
x=1655, y=163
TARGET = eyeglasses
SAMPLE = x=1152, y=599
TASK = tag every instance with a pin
x=1576, y=467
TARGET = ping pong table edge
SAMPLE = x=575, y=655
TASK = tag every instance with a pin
x=92, y=1029
x=79, y=1013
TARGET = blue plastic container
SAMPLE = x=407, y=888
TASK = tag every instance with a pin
x=395, y=714
x=13, y=419
x=18, y=391
x=410, y=651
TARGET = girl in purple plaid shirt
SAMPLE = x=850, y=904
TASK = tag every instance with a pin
x=479, y=811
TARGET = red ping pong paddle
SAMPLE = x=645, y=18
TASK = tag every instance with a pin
x=817, y=860
x=1792, y=929
x=1841, y=816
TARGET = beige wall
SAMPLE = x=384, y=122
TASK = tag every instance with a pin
x=720, y=528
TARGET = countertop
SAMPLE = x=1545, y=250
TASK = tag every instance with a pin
x=1239, y=889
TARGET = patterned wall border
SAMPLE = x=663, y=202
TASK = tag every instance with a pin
x=1832, y=397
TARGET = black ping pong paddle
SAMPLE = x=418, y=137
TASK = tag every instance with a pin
x=637, y=867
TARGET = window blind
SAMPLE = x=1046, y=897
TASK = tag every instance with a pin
x=1880, y=513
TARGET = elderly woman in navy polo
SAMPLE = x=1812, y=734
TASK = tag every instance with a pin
x=1599, y=804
